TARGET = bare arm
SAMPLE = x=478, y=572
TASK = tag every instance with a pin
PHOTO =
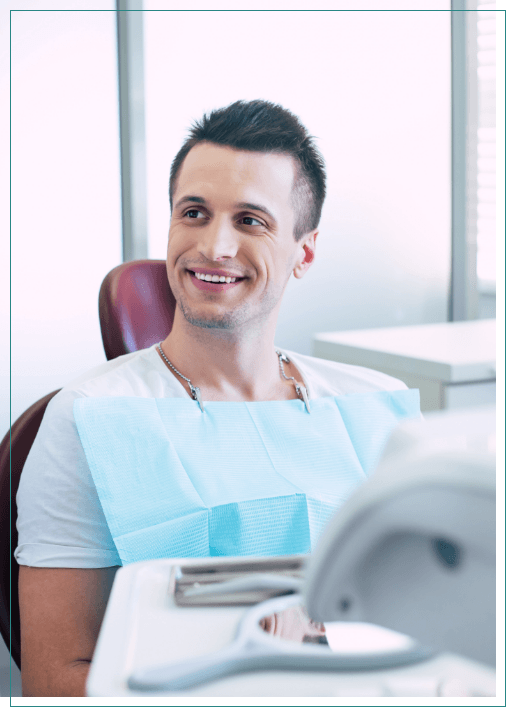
x=61, y=614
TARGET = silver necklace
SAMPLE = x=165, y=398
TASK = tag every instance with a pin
x=195, y=391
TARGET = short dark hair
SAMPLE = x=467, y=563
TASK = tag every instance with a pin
x=261, y=126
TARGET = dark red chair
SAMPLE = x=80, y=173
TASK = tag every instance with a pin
x=136, y=309
x=13, y=452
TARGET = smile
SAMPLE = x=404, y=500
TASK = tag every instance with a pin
x=213, y=283
x=214, y=278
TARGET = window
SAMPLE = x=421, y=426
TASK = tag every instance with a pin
x=486, y=149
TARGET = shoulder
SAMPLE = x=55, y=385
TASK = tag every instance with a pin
x=137, y=374
x=325, y=377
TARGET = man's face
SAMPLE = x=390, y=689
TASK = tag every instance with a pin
x=233, y=217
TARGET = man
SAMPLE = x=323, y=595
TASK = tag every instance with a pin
x=246, y=192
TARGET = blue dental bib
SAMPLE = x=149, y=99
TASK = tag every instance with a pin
x=242, y=478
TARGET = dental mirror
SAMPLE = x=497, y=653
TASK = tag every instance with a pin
x=279, y=635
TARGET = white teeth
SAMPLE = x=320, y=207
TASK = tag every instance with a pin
x=214, y=278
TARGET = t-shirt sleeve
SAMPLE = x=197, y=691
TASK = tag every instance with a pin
x=60, y=519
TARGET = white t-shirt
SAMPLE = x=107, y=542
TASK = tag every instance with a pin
x=60, y=519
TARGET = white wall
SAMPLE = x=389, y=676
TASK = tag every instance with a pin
x=66, y=217
x=374, y=88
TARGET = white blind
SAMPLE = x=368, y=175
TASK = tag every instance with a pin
x=486, y=162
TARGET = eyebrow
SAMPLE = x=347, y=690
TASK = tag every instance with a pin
x=240, y=205
x=193, y=199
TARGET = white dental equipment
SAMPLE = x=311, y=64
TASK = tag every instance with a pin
x=414, y=548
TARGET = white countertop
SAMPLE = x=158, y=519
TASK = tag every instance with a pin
x=452, y=352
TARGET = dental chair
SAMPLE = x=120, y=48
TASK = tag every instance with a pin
x=13, y=453
x=136, y=310
x=136, y=307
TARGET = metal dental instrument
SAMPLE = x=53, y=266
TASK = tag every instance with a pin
x=239, y=583
x=269, y=583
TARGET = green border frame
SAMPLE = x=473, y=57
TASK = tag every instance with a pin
x=501, y=420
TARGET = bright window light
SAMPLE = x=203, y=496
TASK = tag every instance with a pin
x=486, y=162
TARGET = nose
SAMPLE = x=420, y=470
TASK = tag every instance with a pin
x=219, y=241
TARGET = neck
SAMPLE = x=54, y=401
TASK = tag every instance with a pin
x=227, y=365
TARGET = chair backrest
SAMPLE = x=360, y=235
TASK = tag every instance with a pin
x=13, y=453
x=136, y=307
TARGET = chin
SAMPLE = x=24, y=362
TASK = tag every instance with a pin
x=214, y=323
x=227, y=321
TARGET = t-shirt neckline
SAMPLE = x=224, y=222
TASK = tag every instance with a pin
x=182, y=384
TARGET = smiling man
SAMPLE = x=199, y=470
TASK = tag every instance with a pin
x=232, y=250
x=213, y=442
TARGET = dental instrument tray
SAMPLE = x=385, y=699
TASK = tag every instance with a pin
x=237, y=583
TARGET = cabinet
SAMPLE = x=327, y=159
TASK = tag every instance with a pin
x=452, y=363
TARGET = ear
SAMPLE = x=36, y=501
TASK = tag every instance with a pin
x=306, y=254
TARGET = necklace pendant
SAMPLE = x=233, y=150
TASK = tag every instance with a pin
x=303, y=390
x=198, y=397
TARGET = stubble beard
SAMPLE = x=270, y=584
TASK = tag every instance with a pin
x=234, y=318
x=230, y=320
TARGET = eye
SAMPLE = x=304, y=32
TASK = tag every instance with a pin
x=193, y=214
x=250, y=221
